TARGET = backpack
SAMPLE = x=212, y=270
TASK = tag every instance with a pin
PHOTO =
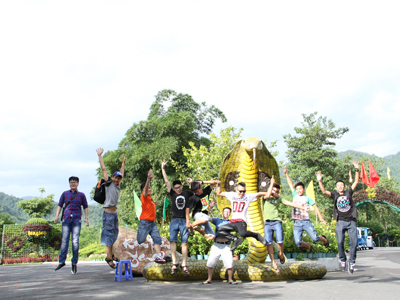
x=100, y=191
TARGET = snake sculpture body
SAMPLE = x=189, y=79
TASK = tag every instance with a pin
x=250, y=162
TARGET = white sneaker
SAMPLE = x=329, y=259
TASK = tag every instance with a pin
x=343, y=264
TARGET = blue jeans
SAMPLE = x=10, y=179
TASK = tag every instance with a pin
x=304, y=225
x=269, y=228
x=72, y=228
x=351, y=228
x=109, y=232
x=178, y=225
x=207, y=225
x=148, y=227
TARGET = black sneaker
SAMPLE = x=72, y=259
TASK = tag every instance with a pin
x=236, y=242
x=343, y=265
x=351, y=268
x=73, y=269
x=59, y=266
x=167, y=259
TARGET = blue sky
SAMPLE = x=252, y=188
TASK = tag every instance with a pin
x=75, y=75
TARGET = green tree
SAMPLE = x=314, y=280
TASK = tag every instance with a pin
x=37, y=207
x=5, y=219
x=174, y=121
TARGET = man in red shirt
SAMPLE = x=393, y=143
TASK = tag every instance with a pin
x=147, y=224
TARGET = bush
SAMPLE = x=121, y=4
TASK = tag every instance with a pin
x=92, y=249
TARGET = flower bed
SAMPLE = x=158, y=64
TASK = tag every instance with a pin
x=28, y=259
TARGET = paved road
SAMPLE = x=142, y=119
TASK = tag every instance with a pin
x=377, y=277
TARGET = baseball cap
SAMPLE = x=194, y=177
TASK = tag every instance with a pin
x=117, y=173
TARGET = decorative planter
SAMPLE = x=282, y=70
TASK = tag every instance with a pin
x=294, y=255
x=310, y=255
x=193, y=256
x=288, y=255
x=200, y=256
x=242, y=256
x=206, y=256
x=276, y=256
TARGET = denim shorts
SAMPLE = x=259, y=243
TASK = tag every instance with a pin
x=178, y=225
x=207, y=225
x=273, y=226
x=304, y=225
x=148, y=227
x=109, y=232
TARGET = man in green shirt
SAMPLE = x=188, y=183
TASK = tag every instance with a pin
x=273, y=223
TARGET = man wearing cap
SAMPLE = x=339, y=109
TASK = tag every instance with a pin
x=109, y=233
x=72, y=200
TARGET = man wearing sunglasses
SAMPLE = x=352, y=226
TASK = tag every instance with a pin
x=179, y=202
x=240, y=202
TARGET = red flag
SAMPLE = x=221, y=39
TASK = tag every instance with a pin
x=364, y=177
x=373, y=175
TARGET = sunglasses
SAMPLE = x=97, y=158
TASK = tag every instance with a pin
x=243, y=191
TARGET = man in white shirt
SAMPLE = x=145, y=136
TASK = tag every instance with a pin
x=240, y=202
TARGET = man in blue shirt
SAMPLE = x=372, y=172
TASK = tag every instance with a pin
x=71, y=221
x=221, y=248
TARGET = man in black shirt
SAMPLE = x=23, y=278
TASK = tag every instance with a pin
x=179, y=202
x=201, y=207
x=345, y=213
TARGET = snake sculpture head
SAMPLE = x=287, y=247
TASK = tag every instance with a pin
x=249, y=161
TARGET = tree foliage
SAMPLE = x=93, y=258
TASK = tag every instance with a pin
x=38, y=207
x=174, y=121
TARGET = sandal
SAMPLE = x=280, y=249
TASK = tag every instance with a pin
x=327, y=242
x=206, y=282
x=174, y=268
x=282, y=258
x=232, y=282
x=115, y=258
x=185, y=270
x=112, y=265
x=277, y=271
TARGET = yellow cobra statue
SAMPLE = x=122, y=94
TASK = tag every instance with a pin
x=250, y=162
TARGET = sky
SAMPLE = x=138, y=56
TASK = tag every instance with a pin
x=75, y=75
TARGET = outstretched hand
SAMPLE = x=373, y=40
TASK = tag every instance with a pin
x=319, y=176
x=355, y=164
x=285, y=170
x=190, y=180
x=150, y=174
x=123, y=158
x=163, y=163
x=272, y=180
x=99, y=151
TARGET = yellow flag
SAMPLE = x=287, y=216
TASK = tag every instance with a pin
x=388, y=172
x=310, y=192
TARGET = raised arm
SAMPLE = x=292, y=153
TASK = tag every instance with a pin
x=219, y=190
x=212, y=183
x=271, y=185
x=288, y=178
x=146, y=186
x=102, y=165
x=122, y=165
x=164, y=174
x=321, y=186
x=355, y=164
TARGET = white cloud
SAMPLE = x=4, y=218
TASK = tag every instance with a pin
x=76, y=75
